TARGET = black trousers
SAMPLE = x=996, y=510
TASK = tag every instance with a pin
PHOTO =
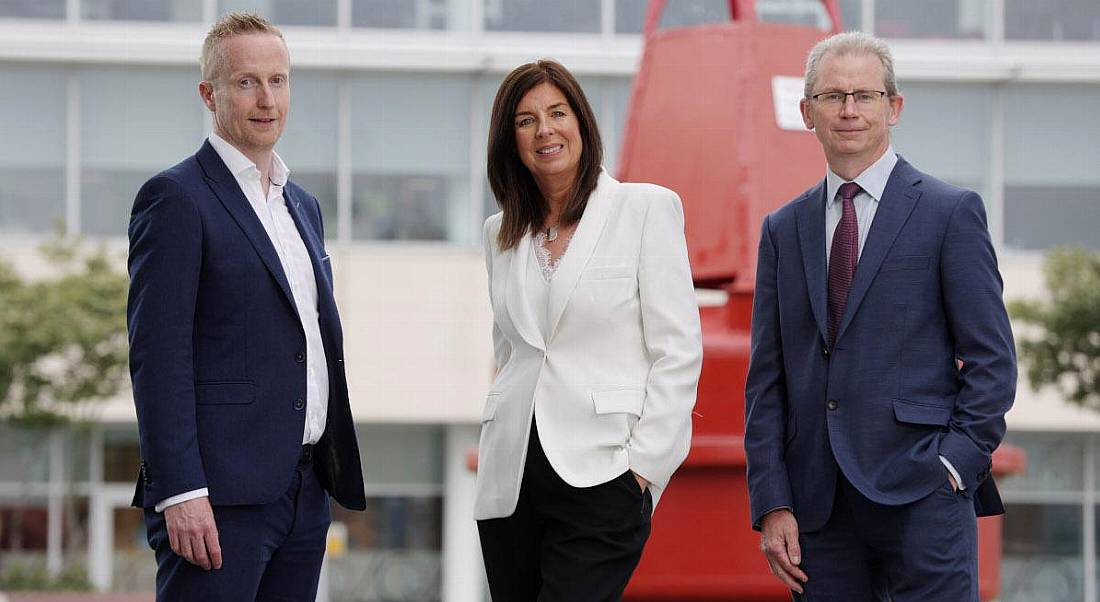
x=565, y=543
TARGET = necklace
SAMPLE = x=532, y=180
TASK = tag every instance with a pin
x=551, y=233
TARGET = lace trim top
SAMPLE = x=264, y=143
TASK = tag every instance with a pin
x=548, y=266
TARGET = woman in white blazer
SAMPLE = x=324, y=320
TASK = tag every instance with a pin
x=598, y=351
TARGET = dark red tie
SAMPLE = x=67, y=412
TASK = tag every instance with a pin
x=842, y=258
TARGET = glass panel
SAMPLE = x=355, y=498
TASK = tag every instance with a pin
x=685, y=13
x=618, y=90
x=1052, y=185
x=810, y=13
x=137, y=121
x=410, y=155
x=121, y=454
x=309, y=142
x=1052, y=20
x=33, y=9
x=954, y=19
x=1055, y=462
x=630, y=15
x=26, y=455
x=937, y=112
x=542, y=15
x=851, y=15
x=1042, y=553
x=32, y=148
x=393, y=551
x=141, y=10
x=401, y=454
x=406, y=14
x=24, y=523
x=286, y=12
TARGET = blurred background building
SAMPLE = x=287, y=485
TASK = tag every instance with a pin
x=391, y=100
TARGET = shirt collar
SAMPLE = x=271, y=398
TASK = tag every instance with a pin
x=872, y=180
x=238, y=164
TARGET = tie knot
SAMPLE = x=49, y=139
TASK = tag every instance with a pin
x=849, y=190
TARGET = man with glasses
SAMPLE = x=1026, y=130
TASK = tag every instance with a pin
x=882, y=359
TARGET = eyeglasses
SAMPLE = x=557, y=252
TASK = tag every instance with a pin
x=862, y=97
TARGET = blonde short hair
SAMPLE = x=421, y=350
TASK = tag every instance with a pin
x=231, y=24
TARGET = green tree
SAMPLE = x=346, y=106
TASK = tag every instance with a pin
x=62, y=335
x=1063, y=348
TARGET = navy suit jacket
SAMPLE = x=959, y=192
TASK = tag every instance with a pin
x=217, y=351
x=888, y=399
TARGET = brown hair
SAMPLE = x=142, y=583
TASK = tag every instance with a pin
x=231, y=24
x=513, y=185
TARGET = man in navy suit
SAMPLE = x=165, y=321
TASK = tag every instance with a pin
x=882, y=359
x=236, y=352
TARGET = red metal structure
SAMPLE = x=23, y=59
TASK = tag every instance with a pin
x=704, y=123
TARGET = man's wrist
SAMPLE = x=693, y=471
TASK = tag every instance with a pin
x=181, y=498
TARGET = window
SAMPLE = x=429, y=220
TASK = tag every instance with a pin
x=808, y=13
x=1044, y=543
x=32, y=148
x=422, y=14
x=630, y=15
x=286, y=12
x=952, y=19
x=944, y=131
x=1042, y=553
x=685, y=13
x=1052, y=186
x=136, y=122
x=1068, y=20
x=578, y=16
x=33, y=9
x=141, y=10
x=411, y=157
x=395, y=546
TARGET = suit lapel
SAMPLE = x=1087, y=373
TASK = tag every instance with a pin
x=898, y=200
x=519, y=309
x=811, y=236
x=227, y=190
x=313, y=246
x=580, y=248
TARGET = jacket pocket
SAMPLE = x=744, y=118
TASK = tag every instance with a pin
x=619, y=401
x=225, y=393
x=915, y=412
x=492, y=400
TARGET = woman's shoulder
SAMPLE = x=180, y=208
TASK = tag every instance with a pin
x=644, y=195
x=492, y=223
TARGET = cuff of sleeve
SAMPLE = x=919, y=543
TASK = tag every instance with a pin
x=179, y=499
x=954, y=473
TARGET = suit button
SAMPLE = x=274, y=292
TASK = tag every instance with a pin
x=299, y=404
x=825, y=351
x=299, y=357
x=832, y=404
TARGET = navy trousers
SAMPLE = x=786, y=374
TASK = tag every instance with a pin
x=270, y=552
x=565, y=543
x=920, y=552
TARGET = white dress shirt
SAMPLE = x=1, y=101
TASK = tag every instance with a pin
x=294, y=258
x=872, y=181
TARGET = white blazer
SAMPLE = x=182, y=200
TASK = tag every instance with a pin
x=613, y=385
